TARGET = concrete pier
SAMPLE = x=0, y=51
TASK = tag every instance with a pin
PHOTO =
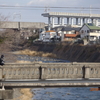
x=6, y=94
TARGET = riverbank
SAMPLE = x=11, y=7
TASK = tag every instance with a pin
x=36, y=53
x=73, y=53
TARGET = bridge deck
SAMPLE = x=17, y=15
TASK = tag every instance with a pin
x=51, y=83
x=62, y=14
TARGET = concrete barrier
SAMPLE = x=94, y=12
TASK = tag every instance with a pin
x=20, y=25
x=50, y=71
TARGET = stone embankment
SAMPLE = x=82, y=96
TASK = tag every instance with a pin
x=74, y=53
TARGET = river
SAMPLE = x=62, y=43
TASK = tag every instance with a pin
x=68, y=93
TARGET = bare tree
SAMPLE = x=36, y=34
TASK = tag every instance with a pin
x=3, y=18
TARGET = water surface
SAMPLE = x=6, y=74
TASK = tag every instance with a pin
x=68, y=93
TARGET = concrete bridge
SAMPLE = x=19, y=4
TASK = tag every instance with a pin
x=38, y=74
x=21, y=25
x=49, y=71
x=70, y=19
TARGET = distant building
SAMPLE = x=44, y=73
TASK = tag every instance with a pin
x=90, y=32
x=70, y=33
x=48, y=36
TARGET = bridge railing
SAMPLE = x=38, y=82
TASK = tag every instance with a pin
x=61, y=71
x=20, y=71
x=70, y=70
x=94, y=71
x=50, y=71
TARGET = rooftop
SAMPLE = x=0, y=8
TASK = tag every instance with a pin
x=92, y=26
x=50, y=31
x=71, y=35
x=70, y=29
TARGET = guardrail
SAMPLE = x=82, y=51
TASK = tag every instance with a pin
x=50, y=71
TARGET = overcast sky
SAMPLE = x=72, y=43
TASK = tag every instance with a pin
x=27, y=14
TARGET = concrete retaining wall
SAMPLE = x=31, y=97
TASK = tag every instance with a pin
x=13, y=25
x=31, y=25
x=72, y=53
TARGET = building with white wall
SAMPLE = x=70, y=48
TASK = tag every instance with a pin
x=47, y=36
x=90, y=31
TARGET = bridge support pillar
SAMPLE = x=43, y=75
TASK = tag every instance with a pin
x=71, y=21
x=53, y=22
x=67, y=21
x=76, y=21
x=6, y=94
x=96, y=22
x=81, y=21
x=0, y=73
x=49, y=23
x=58, y=20
x=62, y=21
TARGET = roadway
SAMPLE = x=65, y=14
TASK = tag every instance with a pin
x=50, y=83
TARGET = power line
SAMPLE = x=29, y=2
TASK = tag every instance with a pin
x=55, y=7
x=45, y=8
x=22, y=9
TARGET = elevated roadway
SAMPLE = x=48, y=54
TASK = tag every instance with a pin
x=73, y=19
x=75, y=15
x=21, y=25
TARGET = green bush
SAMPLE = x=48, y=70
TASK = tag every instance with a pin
x=32, y=38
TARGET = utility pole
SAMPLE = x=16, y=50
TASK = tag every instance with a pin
x=16, y=15
x=90, y=10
